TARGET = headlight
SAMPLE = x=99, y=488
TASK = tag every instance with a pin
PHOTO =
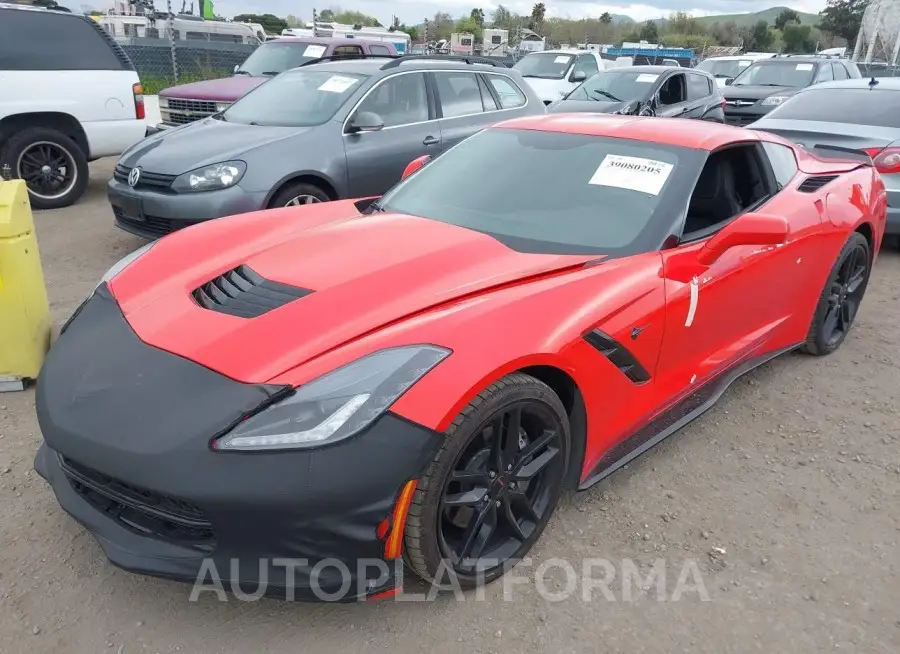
x=222, y=106
x=124, y=262
x=163, y=102
x=336, y=405
x=774, y=100
x=211, y=178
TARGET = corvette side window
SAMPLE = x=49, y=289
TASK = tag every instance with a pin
x=784, y=163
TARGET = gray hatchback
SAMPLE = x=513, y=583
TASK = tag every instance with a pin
x=325, y=131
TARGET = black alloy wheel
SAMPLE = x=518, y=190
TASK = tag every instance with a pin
x=53, y=166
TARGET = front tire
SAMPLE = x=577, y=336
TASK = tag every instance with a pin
x=54, y=166
x=489, y=492
x=840, y=300
x=298, y=194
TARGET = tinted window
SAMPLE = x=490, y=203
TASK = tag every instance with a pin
x=297, y=98
x=510, y=95
x=544, y=65
x=37, y=40
x=399, y=100
x=825, y=73
x=459, y=94
x=784, y=163
x=698, y=87
x=777, y=73
x=615, y=86
x=273, y=58
x=348, y=52
x=840, y=72
x=724, y=68
x=608, y=195
x=379, y=50
x=672, y=91
x=858, y=106
x=586, y=64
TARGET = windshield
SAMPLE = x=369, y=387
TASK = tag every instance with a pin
x=551, y=192
x=615, y=86
x=545, y=65
x=854, y=106
x=297, y=98
x=724, y=68
x=274, y=58
x=782, y=73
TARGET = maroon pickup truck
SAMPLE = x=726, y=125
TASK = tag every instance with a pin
x=189, y=102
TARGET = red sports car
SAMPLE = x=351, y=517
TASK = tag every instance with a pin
x=418, y=378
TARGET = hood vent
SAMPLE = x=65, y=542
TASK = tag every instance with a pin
x=242, y=292
x=813, y=184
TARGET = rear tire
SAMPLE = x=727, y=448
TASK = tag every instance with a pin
x=841, y=298
x=494, y=495
x=298, y=194
x=54, y=166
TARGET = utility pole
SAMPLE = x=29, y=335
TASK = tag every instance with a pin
x=425, y=36
x=171, y=21
x=315, y=20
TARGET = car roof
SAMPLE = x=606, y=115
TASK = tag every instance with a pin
x=694, y=134
x=648, y=68
x=318, y=40
x=811, y=59
x=884, y=84
x=373, y=65
x=571, y=51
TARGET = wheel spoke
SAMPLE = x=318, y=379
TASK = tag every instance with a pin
x=511, y=520
x=521, y=499
x=469, y=477
x=856, y=279
x=547, y=437
x=849, y=265
x=846, y=315
x=471, y=497
x=831, y=320
x=530, y=469
x=475, y=536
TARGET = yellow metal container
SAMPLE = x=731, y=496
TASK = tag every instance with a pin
x=24, y=310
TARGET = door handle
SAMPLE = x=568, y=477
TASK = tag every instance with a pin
x=430, y=140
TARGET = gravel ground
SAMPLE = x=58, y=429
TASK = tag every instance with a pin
x=784, y=497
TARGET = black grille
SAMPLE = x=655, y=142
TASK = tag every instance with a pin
x=243, y=293
x=813, y=184
x=618, y=355
x=181, y=111
x=150, y=225
x=146, y=512
x=147, y=180
x=740, y=119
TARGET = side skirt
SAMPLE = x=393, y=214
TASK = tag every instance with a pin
x=673, y=419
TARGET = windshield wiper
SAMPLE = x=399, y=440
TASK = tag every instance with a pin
x=541, y=76
x=607, y=95
x=241, y=72
x=767, y=84
x=375, y=207
x=270, y=73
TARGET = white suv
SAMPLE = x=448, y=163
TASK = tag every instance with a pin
x=69, y=94
x=553, y=73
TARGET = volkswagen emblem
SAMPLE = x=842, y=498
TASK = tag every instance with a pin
x=134, y=177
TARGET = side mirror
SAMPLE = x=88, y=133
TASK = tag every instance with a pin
x=749, y=229
x=729, y=81
x=365, y=121
x=578, y=76
x=414, y=165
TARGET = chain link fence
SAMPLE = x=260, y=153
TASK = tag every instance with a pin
x=194, y=60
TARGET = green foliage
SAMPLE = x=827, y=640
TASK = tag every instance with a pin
x=649, y=32
x=843, y=18
x=271, y=23
x=785, y=17
x=797, y=38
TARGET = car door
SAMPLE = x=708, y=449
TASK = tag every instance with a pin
x=462, y=100
x=753, y=298
x=376, y=159
x=699, y=95
x=672, y=96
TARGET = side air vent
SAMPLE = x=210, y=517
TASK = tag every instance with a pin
x=243, y=293
x=618, y=355
x=813, y=184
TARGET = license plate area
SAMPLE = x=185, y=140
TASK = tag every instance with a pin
x=130, y=206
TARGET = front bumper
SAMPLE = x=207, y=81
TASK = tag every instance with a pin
x=155, y=213
x=127, y=429
x=742, y=116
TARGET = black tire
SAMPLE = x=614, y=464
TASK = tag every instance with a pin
x=836, y=304
x=425, y=547
x=21, y=147
x=293, y=190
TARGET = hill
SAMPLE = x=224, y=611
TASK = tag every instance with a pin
x=768, y=15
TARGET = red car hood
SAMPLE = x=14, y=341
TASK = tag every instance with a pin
x=226, y=89
x=364, y=271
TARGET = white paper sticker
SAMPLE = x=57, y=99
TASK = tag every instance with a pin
x=645, y=78
x=337, y=84
x=634, y=173
x=561, y=60
x=314, y=51
x=744, y=64
x=804, y=66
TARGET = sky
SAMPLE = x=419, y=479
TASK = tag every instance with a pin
x=415, y=11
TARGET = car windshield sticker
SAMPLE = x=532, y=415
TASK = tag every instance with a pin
x=561, y=60
x=634, y=173
x=804, y=66
x=645, y=78
x=337, y=84
x=743, y=64
x=314, y=51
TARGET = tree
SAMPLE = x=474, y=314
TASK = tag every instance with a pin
x=649, y=32
x=354, y=18
x=468, y=25
x=441, y=26
x=843, y=18
x=606, y=18
x=271, y=23
x=683, y=23
x=411, y=30
x=797, y=38
x=538, y=12
x=785, y=17
x=759, y=37
x=477, y=15
x=326, y=16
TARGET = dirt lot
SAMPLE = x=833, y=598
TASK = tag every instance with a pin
x=786, y=496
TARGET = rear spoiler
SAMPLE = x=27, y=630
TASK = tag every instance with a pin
x=833, y=159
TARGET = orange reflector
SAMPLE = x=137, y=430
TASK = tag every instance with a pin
x=394, y=545
x=385, y=594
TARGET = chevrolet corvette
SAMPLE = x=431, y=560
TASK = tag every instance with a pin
x=416, y=378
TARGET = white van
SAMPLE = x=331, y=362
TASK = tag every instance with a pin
x=726, y=68
x=553, y=73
